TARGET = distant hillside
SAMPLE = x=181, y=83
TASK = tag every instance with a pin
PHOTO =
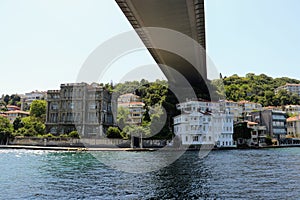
x=259, y=88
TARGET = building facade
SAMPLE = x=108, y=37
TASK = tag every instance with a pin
x=135, y=107
x=293, y=126
x=293, y=88
x=13, y=114
x=79, y=106
x=34, y=95
x=293, y=109
x=273, y=120
x=202, y=123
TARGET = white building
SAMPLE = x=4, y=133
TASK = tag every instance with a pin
x=136, y=108
x=204, y=123
x=234, y=108
x=248, y=106
x=293, y=88
x=28, y=98
x=294, y=109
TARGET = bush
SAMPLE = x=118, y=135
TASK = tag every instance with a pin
x=49, y=135
x=114, y=132
x=269, y=140
x=74, y=134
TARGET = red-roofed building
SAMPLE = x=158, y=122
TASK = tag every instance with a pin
x=13, y=114
x=136, y=108
x=293, y=126
x=3, y=115
x=12, y=107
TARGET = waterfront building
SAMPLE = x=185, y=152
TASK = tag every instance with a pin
x=202, y=122
x=79, y=106
x=293, y=126
x=273, y=120
x=258, y=134
x=293, y=88
x=13, y=114
x=248, y=133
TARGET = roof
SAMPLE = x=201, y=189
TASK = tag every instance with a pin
x=245, y=101
x=129, y=94
x=12, y=106
x=16, y=111
x=3, y=115
x=251, y=123
x=295, y=118
x=291, y=84
x=131, y=103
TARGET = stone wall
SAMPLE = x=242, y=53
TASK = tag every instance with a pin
x=84, y=142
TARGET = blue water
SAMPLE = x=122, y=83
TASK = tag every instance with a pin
x=232, y=174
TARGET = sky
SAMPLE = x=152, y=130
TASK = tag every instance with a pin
x=45, y=43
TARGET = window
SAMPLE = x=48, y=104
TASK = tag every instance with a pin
x=71, y=105
x=195, y=138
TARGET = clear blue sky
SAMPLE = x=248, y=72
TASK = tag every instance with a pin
x=44, y=43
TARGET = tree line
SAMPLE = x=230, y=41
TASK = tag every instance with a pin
x=259, y=89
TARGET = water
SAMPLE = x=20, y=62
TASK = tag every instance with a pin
x=232, y=174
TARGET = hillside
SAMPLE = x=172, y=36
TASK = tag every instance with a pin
x=259, y=88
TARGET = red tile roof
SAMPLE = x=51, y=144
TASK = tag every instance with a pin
x=291, y=119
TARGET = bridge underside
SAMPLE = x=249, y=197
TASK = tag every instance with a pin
x=184, y=16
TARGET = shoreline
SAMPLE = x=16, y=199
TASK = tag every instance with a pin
x=79, y=149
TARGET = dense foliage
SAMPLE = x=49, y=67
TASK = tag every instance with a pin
x=34, y=124
x=155, y=95
x=38, y=110
x=113, y=132
x=241, y=131
x=6, y=130
x=260, y=89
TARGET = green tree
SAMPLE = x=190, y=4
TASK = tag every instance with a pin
x=137, y=131
x=113, y=132
x=6, y=99
x=122, y=117
x=259, y=88
x=74, y=134
x=6, y=130
x=18, y=123
x=32, y=127
x=38, y=110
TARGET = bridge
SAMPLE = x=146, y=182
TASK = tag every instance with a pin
x=184, y=16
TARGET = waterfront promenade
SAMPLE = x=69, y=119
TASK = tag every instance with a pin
x=74, y=148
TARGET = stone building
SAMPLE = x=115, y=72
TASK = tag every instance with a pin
x=79, y=106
